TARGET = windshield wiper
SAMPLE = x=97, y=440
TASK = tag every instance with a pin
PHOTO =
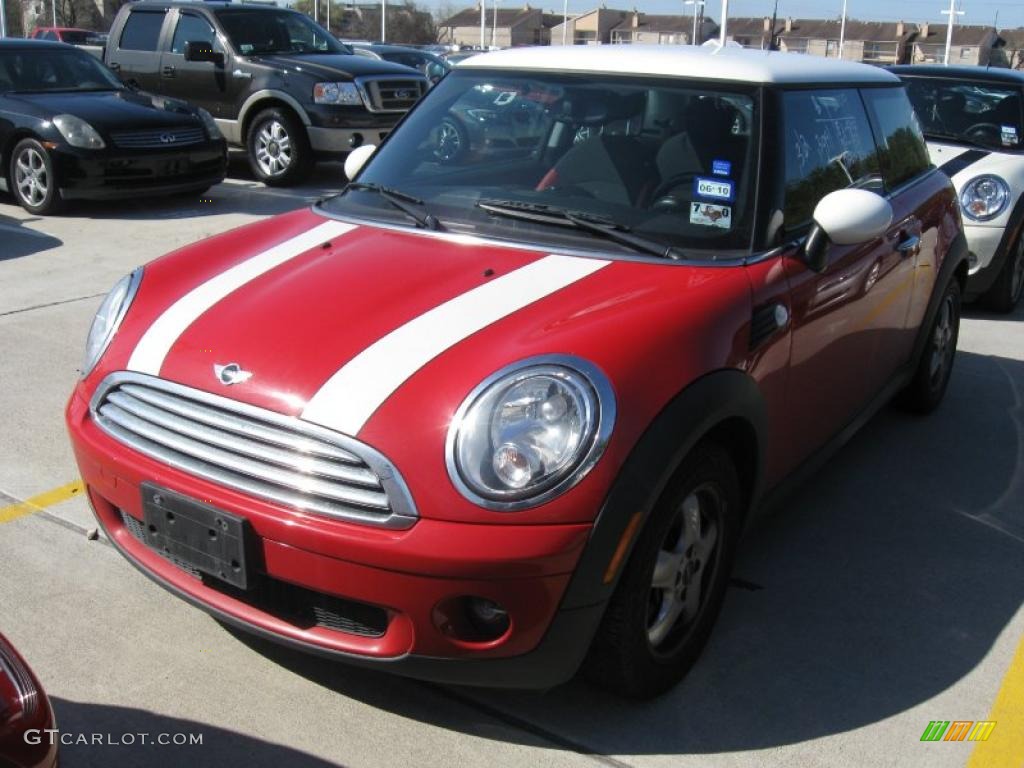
x=588, y=222
x=403, y=201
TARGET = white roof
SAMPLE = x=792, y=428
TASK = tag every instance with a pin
x=701, y=63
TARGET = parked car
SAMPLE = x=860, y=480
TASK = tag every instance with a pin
x=69, y=129
x=973, y=120
x=431, y=66
x=277, y=83
x=487, y=423
x=72, y=35
x=25, y=715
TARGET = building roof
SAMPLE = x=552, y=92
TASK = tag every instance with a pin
x=963, y=34
x=1014, y=38
x=470, y=17
x=976, y=74
x=705, y=63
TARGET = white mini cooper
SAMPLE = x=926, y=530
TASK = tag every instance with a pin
x=973, y=120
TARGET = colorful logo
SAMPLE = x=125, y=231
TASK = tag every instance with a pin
x=958, y=730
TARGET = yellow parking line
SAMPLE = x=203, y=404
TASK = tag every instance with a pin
x=40, y=502
x=1005, y=747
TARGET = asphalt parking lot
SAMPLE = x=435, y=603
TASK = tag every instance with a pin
x=888, y=592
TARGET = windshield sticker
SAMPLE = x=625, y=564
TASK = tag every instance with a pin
x=717, y=189
x=721, y=168
x=709, y=215
x=245, y=48
x=1009, y=134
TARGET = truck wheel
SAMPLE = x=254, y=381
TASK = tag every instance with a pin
x=32, y=180
x=673, y=585
x=279, y=151
x=1006, y=291
x=926, y=389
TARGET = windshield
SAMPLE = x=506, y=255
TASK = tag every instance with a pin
x=260, y=32
x=670, y=161
x=975, y=113
x=54, y=70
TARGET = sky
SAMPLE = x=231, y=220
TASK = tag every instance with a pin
x=1011, y=12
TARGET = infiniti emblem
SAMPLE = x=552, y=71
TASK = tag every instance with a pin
x=231, y=373
x=167, y=138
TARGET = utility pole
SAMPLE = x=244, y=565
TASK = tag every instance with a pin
x=54, y=12
x=494, y=25
x=383, y=21
x=842, y=31
x=483, y=23
x=725, y=20
x=3, y=20
x=695, y=4
x=565, y=19
x=953, y=13
x=328, y=15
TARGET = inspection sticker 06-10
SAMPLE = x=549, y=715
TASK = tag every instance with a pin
x=716, y=189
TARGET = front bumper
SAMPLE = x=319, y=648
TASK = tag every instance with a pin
x=335, y=130
x=405, y=576
x=113, y=173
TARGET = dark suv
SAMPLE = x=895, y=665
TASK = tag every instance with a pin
x=276, y=82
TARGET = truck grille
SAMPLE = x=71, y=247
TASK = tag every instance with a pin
x=266, y=454
x=163, y=138
x=384, y=94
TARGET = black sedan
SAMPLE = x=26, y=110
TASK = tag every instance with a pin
x=69, y=129
x=431, y=65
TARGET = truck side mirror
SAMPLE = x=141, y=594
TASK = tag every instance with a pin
x=357, y=159
x=200, y=50
x=845, y=217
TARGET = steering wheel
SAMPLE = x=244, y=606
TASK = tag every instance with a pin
x=983, y=129
x=661, y=199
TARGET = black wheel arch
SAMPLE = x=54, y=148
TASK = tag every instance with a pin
x=261, y=106
x=725, y=406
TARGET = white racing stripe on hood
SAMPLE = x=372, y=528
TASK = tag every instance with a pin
x=351, y=395
x=157, y=341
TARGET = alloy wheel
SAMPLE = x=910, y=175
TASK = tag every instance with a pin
x=30, y=176
x=449, y=142
x=942, y=341
x=273, y=148
x=1017, y=276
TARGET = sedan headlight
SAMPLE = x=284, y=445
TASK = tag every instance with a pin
x=337, y=93
x=108, y=318
x=77, y=132
x=984, y=198
x=209, y=123
x=530, y=432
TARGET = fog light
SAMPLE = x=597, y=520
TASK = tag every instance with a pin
x=489, y=618
x=355, y=140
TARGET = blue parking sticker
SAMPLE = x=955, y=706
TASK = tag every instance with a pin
x=716, y=189
x=721, y=168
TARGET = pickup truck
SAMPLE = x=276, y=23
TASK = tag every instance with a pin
x=278, y=84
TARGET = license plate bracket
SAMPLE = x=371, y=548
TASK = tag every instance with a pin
x=210, y=540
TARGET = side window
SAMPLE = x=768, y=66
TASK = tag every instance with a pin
x=900, y=142
x=142, y=31
x=192, y=29
x=828, y=145
x=51, y=36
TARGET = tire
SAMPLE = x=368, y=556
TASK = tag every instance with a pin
x=452, y=142
x=1005, y=293
x=927, y=388
x=31, y=179
x=278, y=148
x=647, y=642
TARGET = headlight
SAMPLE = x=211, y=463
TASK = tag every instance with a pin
x=530, y=432
x=984, y=198
x=209, y=123
x=108, y=318
x=77, y=132
x=337, y=93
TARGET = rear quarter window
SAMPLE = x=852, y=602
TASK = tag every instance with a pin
x=902, y=149
x=141, y=31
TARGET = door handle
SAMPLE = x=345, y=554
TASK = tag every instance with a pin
x=909, y=246
x=167, y=71
x=240, y=75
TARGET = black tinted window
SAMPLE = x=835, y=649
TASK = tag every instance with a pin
x=142, y=31
x=828, y=145
x=191, y=29
x=901, y=145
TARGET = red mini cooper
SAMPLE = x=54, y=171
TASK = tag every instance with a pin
x=491, y=420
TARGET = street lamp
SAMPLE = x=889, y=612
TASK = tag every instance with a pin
x=694, y=3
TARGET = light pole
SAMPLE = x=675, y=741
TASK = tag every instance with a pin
x=565, y=19
x=953, y=13
x=494, y=26
x=55, y=13
x=483, y=23
x=695, y=4
x=3, y=20
x=383, y=21
x=842, y=31
x=725, y=19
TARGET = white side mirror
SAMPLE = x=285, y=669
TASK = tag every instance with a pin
x=357, y=159
x=851, y=216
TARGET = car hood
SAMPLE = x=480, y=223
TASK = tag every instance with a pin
x=335, y=66
x=113, y=109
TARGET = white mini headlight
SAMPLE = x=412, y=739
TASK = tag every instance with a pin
x=212, y=130
x=530, y=432
x=77, y=132
x=108, y=318
x=984, y=198
x=337, y=93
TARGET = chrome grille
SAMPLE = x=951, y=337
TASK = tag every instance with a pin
x=386, y=94
x=261, y=452
x=162, y=138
